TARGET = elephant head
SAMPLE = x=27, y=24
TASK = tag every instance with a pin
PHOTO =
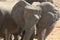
x=32, y=14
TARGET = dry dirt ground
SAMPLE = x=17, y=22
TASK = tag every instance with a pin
x=55, y=34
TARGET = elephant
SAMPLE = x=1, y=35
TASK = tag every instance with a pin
x=17, y=14
x=8, y=25
x=50, y=14
x=31, y=1
x=1, y=21
x=6, y=9
x=26, y=16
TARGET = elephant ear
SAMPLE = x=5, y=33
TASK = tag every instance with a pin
x=31, y=15
x=18, y=11
x=51, y=9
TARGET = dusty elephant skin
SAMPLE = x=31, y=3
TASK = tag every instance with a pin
x=8, y=25
x=1, y=20
x=49, y=16
x=18, y=16
x=24, y=17
x=30, y=20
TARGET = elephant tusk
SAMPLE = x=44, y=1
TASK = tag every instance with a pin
x=37, y=16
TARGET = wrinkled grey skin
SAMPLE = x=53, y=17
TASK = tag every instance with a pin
x=22, y=19
x=1, y=21
x=30, y=22
x=8, y=25
x=48, y=19
x=31, y=1
x=18, y=16
x=2, y=16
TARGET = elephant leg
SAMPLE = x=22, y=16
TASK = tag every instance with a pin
x=49, y=29
x=45, y=33
x=41, y=34
x=8, y=37
x=22, y=35
x=33, y=36
x=28, y=34
x=15, y=36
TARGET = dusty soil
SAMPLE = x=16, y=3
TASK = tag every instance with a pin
x=57, y=3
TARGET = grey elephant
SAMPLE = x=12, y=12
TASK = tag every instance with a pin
x=26, y=16
x=8, y=25
x=50, y=14
x=18, y=16
x=1, y=21
x=31, y=1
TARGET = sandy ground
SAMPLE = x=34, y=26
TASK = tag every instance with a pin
x=57, y=3
x=55, y=34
